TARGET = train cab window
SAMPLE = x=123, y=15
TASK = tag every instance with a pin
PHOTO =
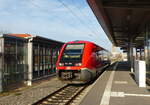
x=72, y=53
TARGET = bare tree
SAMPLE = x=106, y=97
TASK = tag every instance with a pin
x=3, y=31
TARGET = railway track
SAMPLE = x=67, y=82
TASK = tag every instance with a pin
x=67, y=95
x=63, y=96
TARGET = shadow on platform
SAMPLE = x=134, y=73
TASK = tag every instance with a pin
x=148, y=90
x=132, y=76
x=123, y=66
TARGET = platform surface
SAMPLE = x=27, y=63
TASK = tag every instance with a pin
x=116, y=86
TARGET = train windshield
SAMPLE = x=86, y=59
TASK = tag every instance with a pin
x=72, y=53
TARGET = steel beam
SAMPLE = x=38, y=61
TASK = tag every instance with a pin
x=30, y=63
x=131, y=59
x=1, y=63
x=102, y=17
x=127, y=5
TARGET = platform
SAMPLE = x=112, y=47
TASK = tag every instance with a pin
x=116, y=86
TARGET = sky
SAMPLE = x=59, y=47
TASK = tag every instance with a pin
x=62, y=20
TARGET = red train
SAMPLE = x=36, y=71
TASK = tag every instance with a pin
x=81, y=61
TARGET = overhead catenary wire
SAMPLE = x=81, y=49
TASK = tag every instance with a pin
x=74, y=14
x=32, y=3
x=83, y=13
x=56, y=16
x=45, y=10
x=92, y=34
x=87, y=19
x=83, y=23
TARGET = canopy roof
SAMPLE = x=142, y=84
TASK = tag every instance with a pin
x=122, y=20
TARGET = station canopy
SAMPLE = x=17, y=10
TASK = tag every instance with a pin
x=122, y=20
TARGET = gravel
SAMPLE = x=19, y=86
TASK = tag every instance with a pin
x=32, y=94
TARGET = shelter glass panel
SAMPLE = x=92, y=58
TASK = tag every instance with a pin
x=14, y=62
x=42, y=60
x=54, y=59
x=36, y=61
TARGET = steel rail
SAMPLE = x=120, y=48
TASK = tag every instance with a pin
x=63, y=96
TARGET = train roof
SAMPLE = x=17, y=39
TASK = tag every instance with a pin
x=82, y=41
x=79, y=41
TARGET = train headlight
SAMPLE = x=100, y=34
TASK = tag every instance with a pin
x=61, y=64
x=78, y=64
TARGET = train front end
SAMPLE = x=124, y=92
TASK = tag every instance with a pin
x=70, y=65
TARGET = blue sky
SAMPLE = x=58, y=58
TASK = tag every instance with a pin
x=49, y=18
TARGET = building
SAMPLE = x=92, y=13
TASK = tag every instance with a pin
x=25, y=58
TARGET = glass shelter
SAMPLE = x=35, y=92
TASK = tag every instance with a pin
x=43, y=53
x=25, y=58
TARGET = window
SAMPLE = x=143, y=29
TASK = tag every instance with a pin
x=72, y=53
